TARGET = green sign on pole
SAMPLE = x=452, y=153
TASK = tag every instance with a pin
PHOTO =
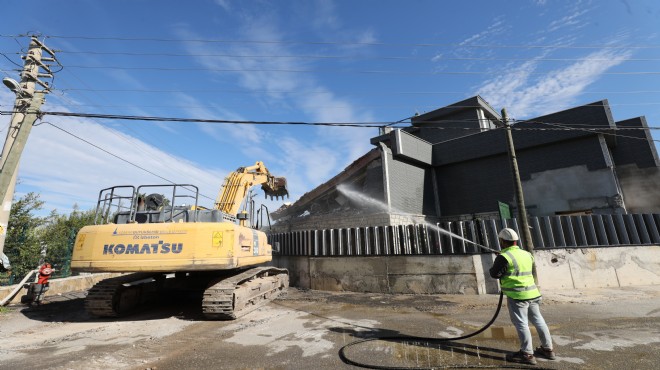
x=505, y=210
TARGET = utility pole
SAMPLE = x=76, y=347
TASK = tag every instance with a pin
x=526, y=235
x=25, y=113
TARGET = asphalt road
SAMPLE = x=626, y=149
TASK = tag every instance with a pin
x=592, y=329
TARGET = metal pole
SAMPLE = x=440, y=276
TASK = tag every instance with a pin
x=526, y=235
x=25, y=113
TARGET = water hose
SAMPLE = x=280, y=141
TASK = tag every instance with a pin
x=347, y=360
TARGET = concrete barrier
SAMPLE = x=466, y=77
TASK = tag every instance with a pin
x=390, y=274
x=576, y=268
x=60, y=286
x=468, y=274
x=557, y=269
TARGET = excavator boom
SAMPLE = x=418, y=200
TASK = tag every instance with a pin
x=238, y=183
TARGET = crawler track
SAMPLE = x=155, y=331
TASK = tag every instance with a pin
x=110, y=298
x=233, y=297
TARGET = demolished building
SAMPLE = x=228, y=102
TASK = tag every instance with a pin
x=419, y=213
x=452, y=163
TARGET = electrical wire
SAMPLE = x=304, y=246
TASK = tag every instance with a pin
x=374, y=124
x=6, y=57
x=355, y=57
x=598, y=131
x=118, y=157
x=112, y=131
x=334, y=71
x=228, y=41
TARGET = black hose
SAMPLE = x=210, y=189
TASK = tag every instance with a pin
x=347, y=360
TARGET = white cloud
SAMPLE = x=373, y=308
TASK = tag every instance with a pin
x=224, y=4
x=249, y=134
x=67, y=170
x=495, y=28
x=325, y=15
x=525, y=93
x=328, y=150
x=573, y=20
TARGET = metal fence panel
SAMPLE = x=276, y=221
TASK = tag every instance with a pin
x=459, y=237
x=653, y=229
x=643, y=231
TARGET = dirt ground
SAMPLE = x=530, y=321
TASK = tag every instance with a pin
x=592, y=329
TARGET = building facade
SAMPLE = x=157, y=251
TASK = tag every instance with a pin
x=453, y=163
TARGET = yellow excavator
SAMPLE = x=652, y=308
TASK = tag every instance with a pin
x=168, y=243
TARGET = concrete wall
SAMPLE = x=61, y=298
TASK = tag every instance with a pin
x=598, y=267
x=557, y=269
x=391, y=274
x=60, y=286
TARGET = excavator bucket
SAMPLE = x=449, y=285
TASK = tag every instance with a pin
x=276, y=188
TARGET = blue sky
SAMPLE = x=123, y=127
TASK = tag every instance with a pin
x=310, y=61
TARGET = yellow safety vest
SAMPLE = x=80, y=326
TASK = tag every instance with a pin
x=518, y=282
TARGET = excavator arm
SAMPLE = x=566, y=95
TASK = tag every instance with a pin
x=238, y=183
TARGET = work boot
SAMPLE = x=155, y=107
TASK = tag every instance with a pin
x=521, y=358
x=545, y=353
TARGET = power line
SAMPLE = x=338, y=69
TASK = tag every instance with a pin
x=306, y=92
x=9, y=59
x=118, y=157
x=112, y=131
x=201, y=120
x=371, y=124
x=566, y=128
x=392, y=72
x=430, y=44
x=356, y=57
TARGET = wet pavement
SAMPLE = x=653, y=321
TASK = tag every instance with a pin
x=592, y=329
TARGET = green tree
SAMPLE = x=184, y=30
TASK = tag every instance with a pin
x=22, y=244
x=59, y=235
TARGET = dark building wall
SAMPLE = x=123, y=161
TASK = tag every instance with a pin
x=449, y=127
x=581, y=151
x=373, y=181
x=474, y=186
x=528, y=134
x=566, y=176
x=635, y=146
x=637, y=167
x=410, y=187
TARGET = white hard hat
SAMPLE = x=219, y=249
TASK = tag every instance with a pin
x=508, y=234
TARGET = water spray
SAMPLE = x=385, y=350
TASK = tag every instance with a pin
x=363, y=200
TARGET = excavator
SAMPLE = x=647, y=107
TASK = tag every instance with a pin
x=167, y=248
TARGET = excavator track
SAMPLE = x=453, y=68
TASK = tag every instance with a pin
x=111, y=298
x=233, y=297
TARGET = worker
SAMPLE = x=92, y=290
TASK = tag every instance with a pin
x=513, y=266
x=45, y=271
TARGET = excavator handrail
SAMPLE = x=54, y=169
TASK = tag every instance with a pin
x=105, y=203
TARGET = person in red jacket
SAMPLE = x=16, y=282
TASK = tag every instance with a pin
x=44, y=273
